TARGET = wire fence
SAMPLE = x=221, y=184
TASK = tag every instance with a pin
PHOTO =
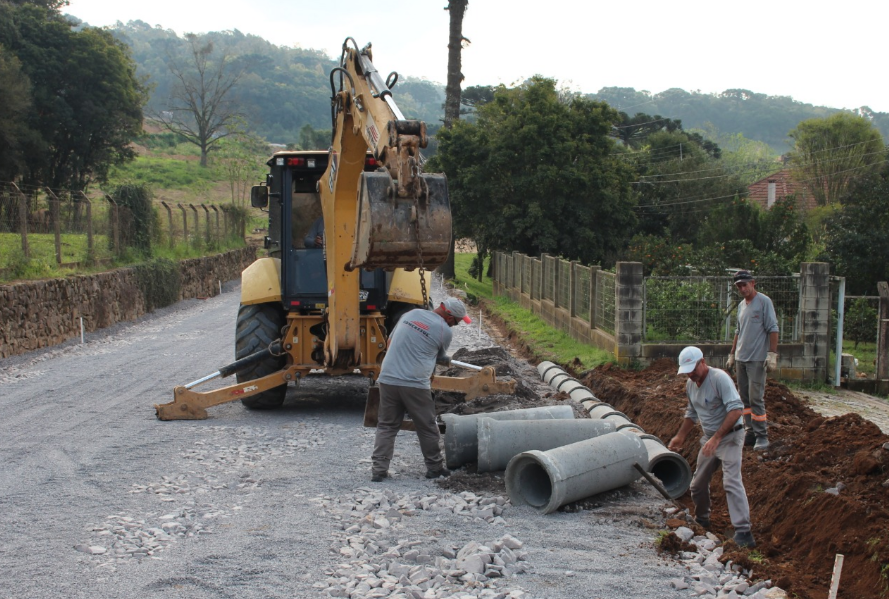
x=70, y=229
x=704, y=309
x=605, y=284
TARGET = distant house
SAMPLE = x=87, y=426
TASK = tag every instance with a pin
x=768, y=190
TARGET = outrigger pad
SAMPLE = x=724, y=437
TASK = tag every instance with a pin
x=387, y=228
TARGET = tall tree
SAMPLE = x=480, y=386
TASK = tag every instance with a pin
x=537, y=173
x=87, y=101
x=15, y=101
x=858, y=234
x=829, y=153
x=201, y=108
x=456, y=10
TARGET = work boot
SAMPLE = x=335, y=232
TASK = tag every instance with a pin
x=762, y=443
x=703, y=521
x=745, y=539
x=442, y=472
x=377, y=477
x=749, y=439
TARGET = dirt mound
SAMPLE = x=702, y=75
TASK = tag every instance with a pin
x=818, y=491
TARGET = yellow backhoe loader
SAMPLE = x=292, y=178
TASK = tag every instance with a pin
x=327, y=308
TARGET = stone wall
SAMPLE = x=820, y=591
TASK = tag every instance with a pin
x=40, y=314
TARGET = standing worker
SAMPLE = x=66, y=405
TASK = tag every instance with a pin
x=419, y=341
x=754, y=352
x=714, y=402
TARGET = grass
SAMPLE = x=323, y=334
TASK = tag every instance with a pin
x=42, y=246
x=544, y=341
x=165, y=173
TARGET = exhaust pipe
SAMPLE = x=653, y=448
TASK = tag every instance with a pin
x=547, y=480
x=461, y=432
x=501, y=440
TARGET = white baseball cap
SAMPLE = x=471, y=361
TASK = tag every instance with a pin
x=689, y=358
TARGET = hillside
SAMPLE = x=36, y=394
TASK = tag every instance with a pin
x=285, y=89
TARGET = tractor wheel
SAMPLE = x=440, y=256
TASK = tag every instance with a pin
x=259, y=325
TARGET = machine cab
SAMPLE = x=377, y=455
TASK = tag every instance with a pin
x=294, y=218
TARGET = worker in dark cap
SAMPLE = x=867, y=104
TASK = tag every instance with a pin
x=754, y=352
x=419, y=341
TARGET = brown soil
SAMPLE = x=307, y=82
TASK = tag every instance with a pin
x=799, y=527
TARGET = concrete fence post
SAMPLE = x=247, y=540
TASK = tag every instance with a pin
x=815, y=306
x=54, y=212
x=184, y=223
x=883, y=337
x=115, y=224
x=170, y=220
x=197, y=223
x=572, y=296
x=594, y=274
x=628, y=311
x=89, y=221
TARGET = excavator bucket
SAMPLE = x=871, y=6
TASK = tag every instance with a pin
x=394, y=232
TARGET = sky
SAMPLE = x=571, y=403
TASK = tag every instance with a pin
x=827, y=54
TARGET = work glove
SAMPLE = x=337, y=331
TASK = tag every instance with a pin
x=771, y=361
x=730, y=362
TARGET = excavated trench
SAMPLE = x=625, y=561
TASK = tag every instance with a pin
x=821, y=489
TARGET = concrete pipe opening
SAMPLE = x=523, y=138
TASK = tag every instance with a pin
x=668, y=467
x=536, y=486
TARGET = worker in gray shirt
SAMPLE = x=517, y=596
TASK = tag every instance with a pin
x=419, y=341
x=754, y=352
x=714, y=402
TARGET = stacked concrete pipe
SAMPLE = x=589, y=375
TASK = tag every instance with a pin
x=461, y=432
x=547, y=480
x=668, y=466
x=501, y=440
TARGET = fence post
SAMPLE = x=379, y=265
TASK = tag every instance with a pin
x=883, y=337
x=206, y=221
x=170, y=219
x=628, y=311
x=572, y=297
x=23, y=220
x=89, y=222
x=54, y=209
x=115, y=224
x=197, y=223
x=557, y=280
x=594, y=274
x=216, y=210
x=184, y=223
x=815, y=306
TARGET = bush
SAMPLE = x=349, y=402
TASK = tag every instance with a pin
x=137, y=219
x=159, y=282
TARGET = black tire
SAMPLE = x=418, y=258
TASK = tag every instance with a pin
x=259, y=325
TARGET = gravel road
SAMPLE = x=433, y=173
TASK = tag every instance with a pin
x=99, y=499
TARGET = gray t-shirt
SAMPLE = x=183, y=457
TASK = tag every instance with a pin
x=755, y=321
x=420, y=339
x=712, y=401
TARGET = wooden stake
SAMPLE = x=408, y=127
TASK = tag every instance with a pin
x=835, y=579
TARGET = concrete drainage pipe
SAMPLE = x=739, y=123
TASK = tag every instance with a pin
x=500, y=440
x=547, y=480
x=461, y=432
x=667, y=466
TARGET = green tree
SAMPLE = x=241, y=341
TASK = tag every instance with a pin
x=858, y=235
x=537, y=173
x=15, y=102
x=829, y=153
x=200, y=108
x=87, y=100
x=239, y=157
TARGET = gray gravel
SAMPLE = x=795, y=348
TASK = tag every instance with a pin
x=100, y=499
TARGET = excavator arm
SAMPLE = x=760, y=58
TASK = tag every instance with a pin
x=395, y=217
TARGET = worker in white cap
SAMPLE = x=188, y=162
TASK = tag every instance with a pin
x=714, y=402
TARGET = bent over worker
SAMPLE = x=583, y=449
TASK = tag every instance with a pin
x=754, y=352
x=419, y=341
x=714, y=402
